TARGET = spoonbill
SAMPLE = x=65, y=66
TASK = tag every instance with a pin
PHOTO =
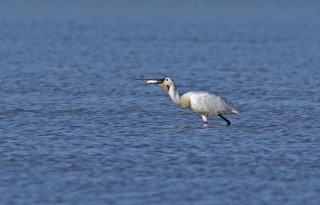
x=204, y=103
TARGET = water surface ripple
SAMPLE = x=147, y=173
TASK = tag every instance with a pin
x=76, y=129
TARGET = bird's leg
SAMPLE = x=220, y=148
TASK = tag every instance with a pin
x=225, y=119
x=205, y=119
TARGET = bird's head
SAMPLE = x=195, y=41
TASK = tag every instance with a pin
x=166, y=83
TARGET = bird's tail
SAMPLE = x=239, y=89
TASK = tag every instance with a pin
x=235, y=109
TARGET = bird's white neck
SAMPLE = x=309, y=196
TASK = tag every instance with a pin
x=174, y=94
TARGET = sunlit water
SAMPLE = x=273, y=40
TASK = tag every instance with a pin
x=77, y=129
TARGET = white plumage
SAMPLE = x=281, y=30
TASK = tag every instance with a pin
x=204, y=103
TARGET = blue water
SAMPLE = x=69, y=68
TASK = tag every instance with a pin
x=75, y=128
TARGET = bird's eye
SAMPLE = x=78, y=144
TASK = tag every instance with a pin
x=166, y=79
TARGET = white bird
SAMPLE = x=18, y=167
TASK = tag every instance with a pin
x=204, y=103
